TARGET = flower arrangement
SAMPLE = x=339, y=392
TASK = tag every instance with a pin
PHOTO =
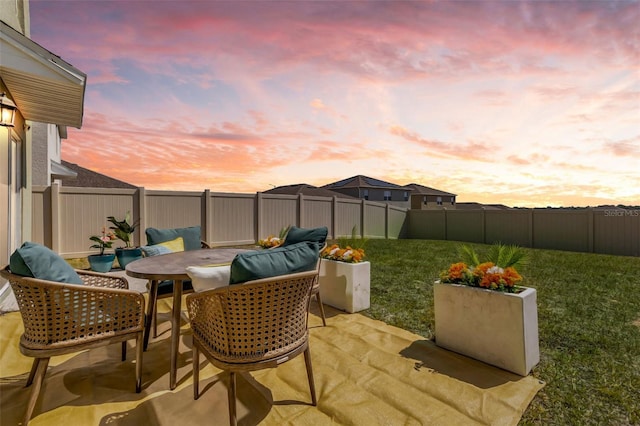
x=498, y=273
x=272, y=241
x=103, y=241
x=348, y=254
x=123, y=229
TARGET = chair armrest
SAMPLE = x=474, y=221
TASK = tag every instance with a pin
x=97, y=279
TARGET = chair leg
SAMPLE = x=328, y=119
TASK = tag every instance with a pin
x=37, y=385
x=312, y=385
x=32, y=373
x=233, y=421
x=196, y=371
x=319, y=300
x=139, y=352
x=124, y=350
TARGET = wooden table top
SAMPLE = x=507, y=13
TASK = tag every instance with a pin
x=172, y=266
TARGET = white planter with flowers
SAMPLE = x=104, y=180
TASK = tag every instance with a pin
x=498, y=328
x=345, y=279
x=481, y=312
x=345, y=286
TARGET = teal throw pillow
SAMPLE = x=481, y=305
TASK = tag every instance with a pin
x=37, y=261
x=257, y=264
x=190, y=235
x=297, y=235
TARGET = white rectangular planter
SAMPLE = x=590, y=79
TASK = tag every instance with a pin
x=345, y=286
x=500, y=329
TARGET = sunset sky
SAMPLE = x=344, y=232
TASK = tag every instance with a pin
x=520, y=103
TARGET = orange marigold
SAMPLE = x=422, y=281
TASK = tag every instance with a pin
x=456, y=270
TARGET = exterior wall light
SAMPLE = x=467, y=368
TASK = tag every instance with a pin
x=7, y=111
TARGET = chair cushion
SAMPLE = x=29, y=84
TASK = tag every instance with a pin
x=172, y=246
x=37, y=261
x=190, y=236
x=282, y=260
x=298, y=235
x=208, y=277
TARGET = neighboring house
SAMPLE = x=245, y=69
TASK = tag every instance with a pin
x=46, y=164
x=305, y=189
x=371, y=189
x=44, y=89
x=425, y=198
x=85, y=178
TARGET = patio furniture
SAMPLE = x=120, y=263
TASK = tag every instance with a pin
x=62, y=318
x=251, y=326
x=191, y=241
x=172, y=268
x=319, y=235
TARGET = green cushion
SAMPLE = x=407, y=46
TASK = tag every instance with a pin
x=257, y=264
x=298, y=235
x=37, y=261
x=190, y=235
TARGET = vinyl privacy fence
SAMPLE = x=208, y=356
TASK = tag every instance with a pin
x=64, y=218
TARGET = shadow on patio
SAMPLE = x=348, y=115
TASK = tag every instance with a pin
x=366, y=373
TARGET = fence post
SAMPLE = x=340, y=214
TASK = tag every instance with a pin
x=362, y=218
x=207, y=220
x=258, y=215
x=334, y=216
x=531, y=240
x=140, y=198
x=386, y=222
x=55, y=217
x=590, y=230
x=301, y=221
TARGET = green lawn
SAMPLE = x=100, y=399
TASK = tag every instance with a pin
x=588, y=315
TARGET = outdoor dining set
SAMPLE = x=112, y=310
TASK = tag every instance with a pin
x=247, y=309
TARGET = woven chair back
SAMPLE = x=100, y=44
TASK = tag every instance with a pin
x=57, y=314
x=253, y=322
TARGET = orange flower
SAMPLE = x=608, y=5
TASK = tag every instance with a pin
x=456, y=270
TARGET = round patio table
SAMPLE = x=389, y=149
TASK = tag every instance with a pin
x=173, y=267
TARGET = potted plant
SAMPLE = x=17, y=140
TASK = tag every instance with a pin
x=481, y=310
x=345, y=277
x=123, y=230
x=102, y=262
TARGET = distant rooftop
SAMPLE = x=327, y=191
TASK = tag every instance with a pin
x=305, y=189
x=361, y=181
x=89, y=179
x=425, y=190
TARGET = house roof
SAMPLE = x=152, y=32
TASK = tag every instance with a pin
x=44, y=87
x=425, y=190
x=89, y=179
x=306, y=189
x=361, y=181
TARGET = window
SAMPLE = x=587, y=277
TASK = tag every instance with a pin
x=439, y=201
x=406, y=196
x=453, y=201
x=365, y=194
x=424, y=200
x=387, y=195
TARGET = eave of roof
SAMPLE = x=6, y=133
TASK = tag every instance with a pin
x=45, y=88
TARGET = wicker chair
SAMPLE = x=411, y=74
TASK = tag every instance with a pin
x=63, y=318
x=251, y=326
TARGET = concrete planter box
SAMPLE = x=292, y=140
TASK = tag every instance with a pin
x=345, y=286
x=500, y=329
